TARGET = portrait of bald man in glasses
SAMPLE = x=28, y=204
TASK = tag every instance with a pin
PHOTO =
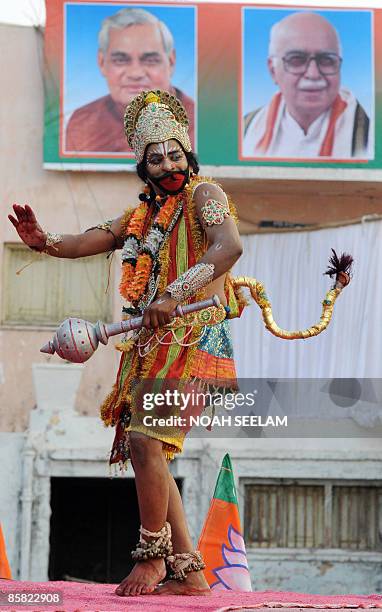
x=311, y=115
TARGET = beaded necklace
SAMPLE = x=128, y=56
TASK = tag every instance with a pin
x=140, y=258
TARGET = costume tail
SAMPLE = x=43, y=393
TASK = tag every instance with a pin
x=339, y=267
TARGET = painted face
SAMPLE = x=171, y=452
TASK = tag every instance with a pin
x=167, y=166
x=135, y=61
x=310, y=93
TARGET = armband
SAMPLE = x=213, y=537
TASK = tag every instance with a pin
x=106, y=227
x=197, y=277
x=214, y=212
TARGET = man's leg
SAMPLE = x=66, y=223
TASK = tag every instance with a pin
x=152, y=483
x=195, y=582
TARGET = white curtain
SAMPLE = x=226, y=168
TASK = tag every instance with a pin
x=291, y=266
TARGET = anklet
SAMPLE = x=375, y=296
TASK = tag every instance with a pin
x=158, y=547
x=182, y=564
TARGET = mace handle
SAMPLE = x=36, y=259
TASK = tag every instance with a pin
x=106, y=331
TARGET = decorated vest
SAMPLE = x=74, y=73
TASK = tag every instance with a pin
x=182, y=248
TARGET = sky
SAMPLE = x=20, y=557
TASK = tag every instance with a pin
x=32, y=12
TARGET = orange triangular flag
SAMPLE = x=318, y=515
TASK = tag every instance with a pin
x=5, y=570
x=221, y=542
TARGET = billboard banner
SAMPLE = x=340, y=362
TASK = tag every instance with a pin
x=262, y=85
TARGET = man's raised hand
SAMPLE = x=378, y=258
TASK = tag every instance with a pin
x=27, y=227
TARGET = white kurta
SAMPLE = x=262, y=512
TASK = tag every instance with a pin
x=290, y=141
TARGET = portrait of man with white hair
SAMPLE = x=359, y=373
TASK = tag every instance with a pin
x=136, y=52
x=311, y=114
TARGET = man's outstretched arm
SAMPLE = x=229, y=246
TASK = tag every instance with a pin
x=70, y=246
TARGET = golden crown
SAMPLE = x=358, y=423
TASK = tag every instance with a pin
x=155, y=116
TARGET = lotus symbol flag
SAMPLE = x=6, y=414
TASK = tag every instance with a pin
x=221, y=542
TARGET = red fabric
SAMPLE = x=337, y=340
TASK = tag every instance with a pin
x=80, y=596
x=206, y=366
x=98, y=126
x=266, y=139
x=339, y=105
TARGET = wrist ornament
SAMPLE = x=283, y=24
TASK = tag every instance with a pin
x=51, y=240
x=197, y=277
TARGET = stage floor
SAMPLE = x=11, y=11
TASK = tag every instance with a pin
x=101, y=598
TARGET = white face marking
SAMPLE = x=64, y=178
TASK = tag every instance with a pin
x=159, y=148
x=163, y=149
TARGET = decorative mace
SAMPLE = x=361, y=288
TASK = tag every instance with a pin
x=339, y=267
x=76, y=340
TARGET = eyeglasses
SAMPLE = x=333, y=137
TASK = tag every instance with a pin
x=297, y=62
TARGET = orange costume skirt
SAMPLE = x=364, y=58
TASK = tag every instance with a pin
x=185, y=358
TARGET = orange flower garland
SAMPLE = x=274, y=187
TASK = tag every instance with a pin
x=135, y=227
x=141, y=277
x=138, y=263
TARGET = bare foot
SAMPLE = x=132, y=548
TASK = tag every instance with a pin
x=195, y=584
x=143, y=578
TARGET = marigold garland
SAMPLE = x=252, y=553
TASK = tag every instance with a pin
x=139, y=258
x=135, y=227
x=127, y=277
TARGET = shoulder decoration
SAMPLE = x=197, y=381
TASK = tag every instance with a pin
x=155, y=116
x=214, y=212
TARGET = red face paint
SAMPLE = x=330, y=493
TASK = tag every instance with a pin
x=173, y=182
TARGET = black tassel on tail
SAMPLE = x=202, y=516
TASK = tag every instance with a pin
x=341, y=267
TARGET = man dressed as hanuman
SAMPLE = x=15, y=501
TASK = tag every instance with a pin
x=178, y=245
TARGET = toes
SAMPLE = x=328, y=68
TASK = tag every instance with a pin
x=139, y=588
x=123, y=590
x=134, y=589
x=145, y=589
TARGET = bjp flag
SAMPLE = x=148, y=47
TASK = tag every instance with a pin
x=5, y=570
x=221, y=542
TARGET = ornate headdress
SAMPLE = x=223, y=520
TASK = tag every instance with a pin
x=155, y=116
